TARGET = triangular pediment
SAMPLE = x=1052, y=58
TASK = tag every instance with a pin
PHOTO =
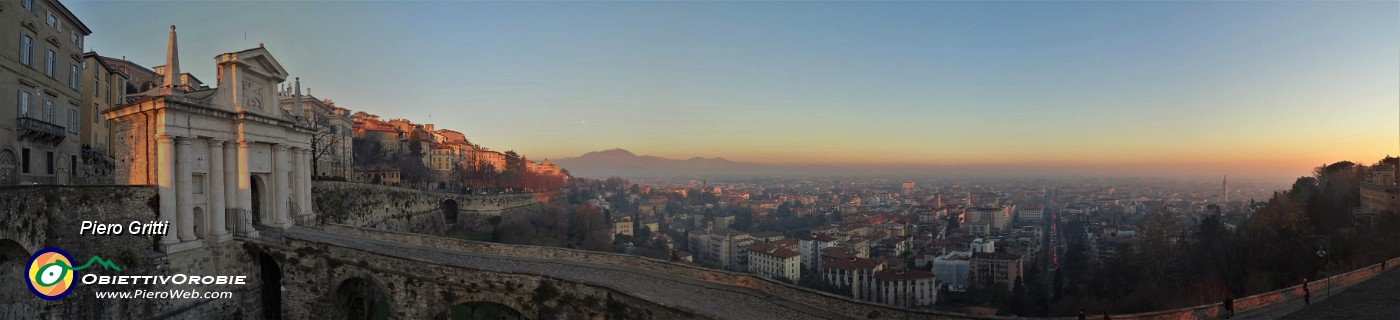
x=260, y=60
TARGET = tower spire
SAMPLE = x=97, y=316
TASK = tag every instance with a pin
x=296, y=102
x=1225, y=184
x=172, y=83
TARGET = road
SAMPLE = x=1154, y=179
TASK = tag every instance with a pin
x=1376, y=298
x=703, y=298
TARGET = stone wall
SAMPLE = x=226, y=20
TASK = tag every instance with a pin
x=411, y=210
x=313, y=272
x=35, y=217
x=846, y=306
x=849, y=307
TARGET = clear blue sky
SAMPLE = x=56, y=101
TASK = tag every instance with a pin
x=1197, y=86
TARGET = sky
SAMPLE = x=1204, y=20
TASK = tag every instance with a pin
x=1172, y=87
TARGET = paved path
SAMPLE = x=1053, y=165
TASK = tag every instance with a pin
x=1375, y=298
x=700, y=297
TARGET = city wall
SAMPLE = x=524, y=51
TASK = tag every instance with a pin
x=849, y=307
x=411, y=210
x=315, y=273
x=36, y=217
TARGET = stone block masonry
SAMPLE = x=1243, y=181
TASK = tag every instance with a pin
x=35, y=217
x=411, y=210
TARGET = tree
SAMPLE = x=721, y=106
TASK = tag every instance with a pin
x=325, y=137
x=368, y=152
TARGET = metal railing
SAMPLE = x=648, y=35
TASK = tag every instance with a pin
x=309, y=221
x=238, y=221
x=28, y=123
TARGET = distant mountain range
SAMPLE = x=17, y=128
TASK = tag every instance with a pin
x=623, y=163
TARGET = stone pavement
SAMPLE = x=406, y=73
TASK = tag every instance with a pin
x=1376, y=298
x=707, y=299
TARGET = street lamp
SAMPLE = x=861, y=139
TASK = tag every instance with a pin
x=1323, y=245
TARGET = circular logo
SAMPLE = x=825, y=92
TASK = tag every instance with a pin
x=51, y=273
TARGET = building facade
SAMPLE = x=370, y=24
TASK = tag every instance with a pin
x=995, y=268
x=906, y=288
x=41, y=79
x=774, y=262
x=222, y=159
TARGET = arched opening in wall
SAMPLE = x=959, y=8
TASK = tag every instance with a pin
x=449, y=211
x=200, y=221
x=481, y=310
x=359, y=298
x=259, y=204
x=7, y=168
x=271, y=275
x=13, y=260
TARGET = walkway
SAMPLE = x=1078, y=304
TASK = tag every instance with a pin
x=703, y=298
x=1375, y=298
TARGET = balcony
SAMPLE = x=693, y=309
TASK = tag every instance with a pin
x=40, y=131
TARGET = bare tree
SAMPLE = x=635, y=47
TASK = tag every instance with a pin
x=325, y=139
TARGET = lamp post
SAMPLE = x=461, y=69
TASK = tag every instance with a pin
x=1323, y=245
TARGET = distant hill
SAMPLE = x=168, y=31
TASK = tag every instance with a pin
x=623, y=163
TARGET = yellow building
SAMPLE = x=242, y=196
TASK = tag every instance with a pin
x=106, y=88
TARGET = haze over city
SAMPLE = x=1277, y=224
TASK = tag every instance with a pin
x=1253, y=89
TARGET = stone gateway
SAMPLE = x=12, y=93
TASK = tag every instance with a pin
x=221, y=158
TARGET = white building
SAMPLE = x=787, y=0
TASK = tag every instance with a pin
x=906, y=288
x=953, y=269
x=223, y=159
x=773, y=262
x=983, y=245
x=1030, y=214
x=810, y=247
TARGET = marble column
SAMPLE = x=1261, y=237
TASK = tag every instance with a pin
x=184, y=193
x=216, y=190
x=279, y=186
x=230, y=173
x=165, y=186
x=245, y=184
x=306, y=182
x=294, y=182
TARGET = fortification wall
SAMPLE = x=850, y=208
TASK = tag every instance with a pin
x=313, y=272
x=36, y=217
x=411, y=210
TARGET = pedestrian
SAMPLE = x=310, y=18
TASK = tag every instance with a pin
x=1229, y=305
x=1307, y=293
x=1081, y=314
x=1105, y=316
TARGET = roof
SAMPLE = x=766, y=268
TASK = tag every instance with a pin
x=849, y=263
x=771, y=250
x=903, y=274
x=995, y=256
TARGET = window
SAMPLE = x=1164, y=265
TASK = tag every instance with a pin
x=48, y=64
x=26, y=50
x=50, y=162
x=96, y=88
x=53, y=22
x=73, y=121
x=48, y=111
x=28, y=5
x=73, y=81
x=73, y=36
x=96, y=114
x=73, y=165
x=24, y=153
x=24, y=103
x=198, y=184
